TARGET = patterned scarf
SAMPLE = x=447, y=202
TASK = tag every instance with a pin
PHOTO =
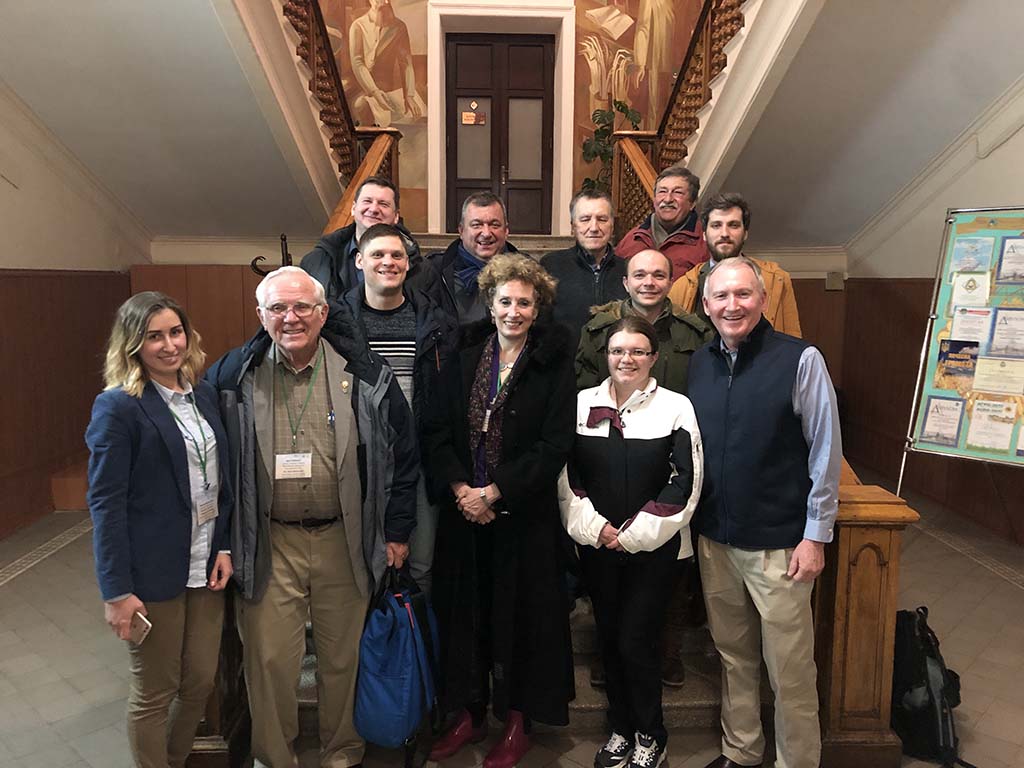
x=486, y=446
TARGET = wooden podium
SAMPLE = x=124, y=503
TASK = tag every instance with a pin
x=855, y=625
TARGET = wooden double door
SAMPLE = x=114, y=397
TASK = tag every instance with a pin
x=499, y=125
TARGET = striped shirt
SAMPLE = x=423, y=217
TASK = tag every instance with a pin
x=392, y=335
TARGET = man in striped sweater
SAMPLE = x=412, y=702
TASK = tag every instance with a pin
x=414, y=336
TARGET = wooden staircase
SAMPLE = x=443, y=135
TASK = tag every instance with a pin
x=854, y=600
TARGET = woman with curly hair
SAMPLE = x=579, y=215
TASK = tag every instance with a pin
x=497, y=437
x=161, y=505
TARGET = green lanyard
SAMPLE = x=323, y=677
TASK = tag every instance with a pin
x=295, y=423
x=204, y=454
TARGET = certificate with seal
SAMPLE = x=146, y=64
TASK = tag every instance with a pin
x=1011, y=261
x=971, y=324
x=1008, y=333
x=999, y=374
x=992, y=424
x=942, y=421
x=970, y=289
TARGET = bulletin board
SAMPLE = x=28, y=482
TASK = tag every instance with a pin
x=969, y=398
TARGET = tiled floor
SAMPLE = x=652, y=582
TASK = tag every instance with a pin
x=63, y=674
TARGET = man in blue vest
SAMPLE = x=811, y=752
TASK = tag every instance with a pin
x=772, y=455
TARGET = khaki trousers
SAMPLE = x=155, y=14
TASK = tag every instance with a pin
x=311, y=576
x=173, y=672
x=753, y=607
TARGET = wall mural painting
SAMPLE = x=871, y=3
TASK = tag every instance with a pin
x=381, y=50
x=628, y=50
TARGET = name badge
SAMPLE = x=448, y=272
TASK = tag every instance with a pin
x=293, y=466
x=206, y=506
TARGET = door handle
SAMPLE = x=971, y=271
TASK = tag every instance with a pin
x=504, y=176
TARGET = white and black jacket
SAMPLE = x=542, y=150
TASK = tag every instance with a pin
x=638, y=467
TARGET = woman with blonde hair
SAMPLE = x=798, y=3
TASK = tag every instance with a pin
x=497, y=436
x=161, y=504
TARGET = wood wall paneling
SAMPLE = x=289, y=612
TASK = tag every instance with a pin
x=250, y=321
x=821, y=321
x=215, y=307
x=219, y=299
x=56, y=359
x=171, y=279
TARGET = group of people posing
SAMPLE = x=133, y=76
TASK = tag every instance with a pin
x=490, y=422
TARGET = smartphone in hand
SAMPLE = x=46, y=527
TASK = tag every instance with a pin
x=139, y=628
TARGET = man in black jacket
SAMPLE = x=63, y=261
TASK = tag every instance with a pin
x=415, y=337
x=332, y=260
x=483, y=232
x=588, y=274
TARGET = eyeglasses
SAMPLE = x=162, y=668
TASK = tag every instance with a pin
x=301, y=309
x=634, y=353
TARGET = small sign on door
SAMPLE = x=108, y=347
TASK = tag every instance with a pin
x=474, y=118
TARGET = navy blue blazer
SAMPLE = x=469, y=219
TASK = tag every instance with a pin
x=139, y=494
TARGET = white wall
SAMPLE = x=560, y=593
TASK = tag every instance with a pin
x=983, y=167
x=54, y=214
x=227, y=250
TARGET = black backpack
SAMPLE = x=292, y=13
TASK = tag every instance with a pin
x=924, y=692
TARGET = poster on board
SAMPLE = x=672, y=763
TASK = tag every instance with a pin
x=969, y=401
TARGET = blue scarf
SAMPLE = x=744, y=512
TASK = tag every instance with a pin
x=468, y=269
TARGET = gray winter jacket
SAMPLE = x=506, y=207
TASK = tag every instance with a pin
x=388, y=460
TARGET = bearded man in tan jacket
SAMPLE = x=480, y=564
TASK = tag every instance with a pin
x=726, y=220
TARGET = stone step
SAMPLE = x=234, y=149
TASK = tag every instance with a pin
x=693, y=705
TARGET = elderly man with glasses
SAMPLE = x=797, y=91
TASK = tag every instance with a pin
x=304, y=400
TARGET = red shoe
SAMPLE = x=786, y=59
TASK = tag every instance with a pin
x=513, y=745
x=458, y=736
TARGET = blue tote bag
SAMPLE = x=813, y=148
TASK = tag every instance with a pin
x=395, y=688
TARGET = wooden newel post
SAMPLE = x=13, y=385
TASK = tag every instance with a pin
x=854, y=627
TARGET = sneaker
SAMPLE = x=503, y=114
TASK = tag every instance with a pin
x=614, y=754
x=648, y=753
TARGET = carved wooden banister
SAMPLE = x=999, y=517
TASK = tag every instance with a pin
x=381, y=159
x=632, y=184
x=717, y=23
x=315, y=50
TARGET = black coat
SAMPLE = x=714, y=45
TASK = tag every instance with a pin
x=499, y=589
x=444, y=288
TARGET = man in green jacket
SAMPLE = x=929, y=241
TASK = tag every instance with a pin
x=648, y=280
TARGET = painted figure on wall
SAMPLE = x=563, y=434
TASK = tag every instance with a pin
x=381, y=58
x=630, y=51
x=654, y=56
x=381, y=50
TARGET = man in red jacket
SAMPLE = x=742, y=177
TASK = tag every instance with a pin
x=674, y=228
